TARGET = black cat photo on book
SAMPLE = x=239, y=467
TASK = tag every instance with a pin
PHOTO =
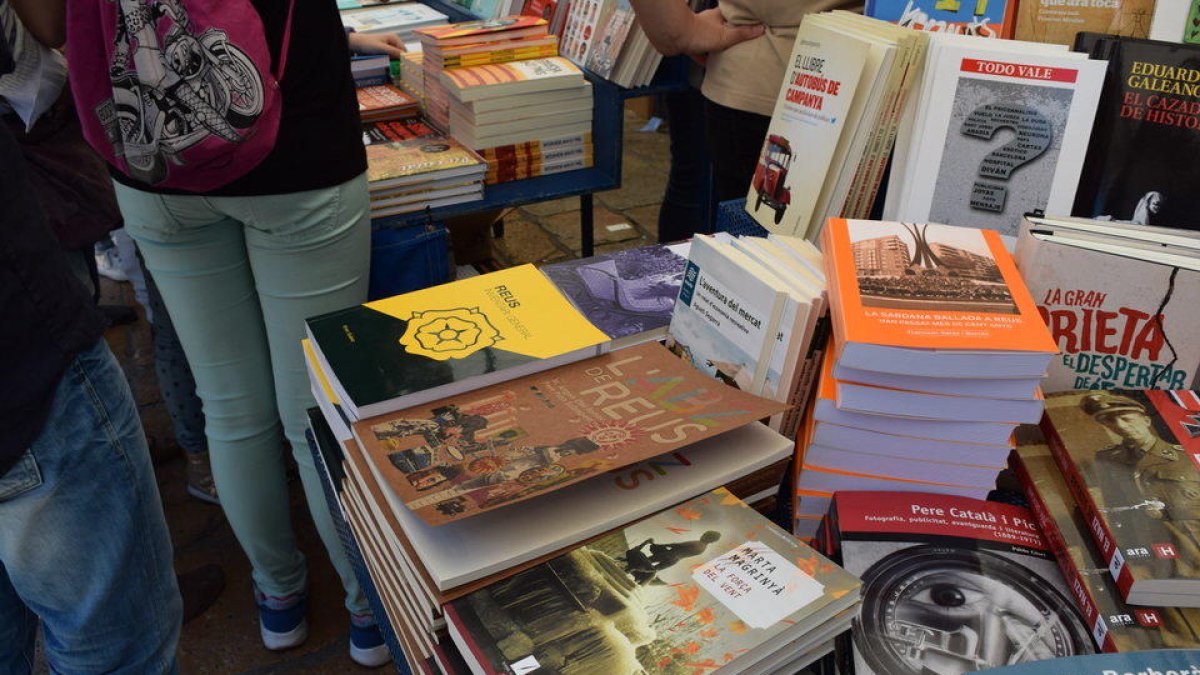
x=1141, y=158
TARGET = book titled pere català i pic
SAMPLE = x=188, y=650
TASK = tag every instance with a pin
x=455, y=457
x=412, y=348
x=951, y=585
x=709, y=586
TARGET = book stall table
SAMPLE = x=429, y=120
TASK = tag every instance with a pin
x=608, y=107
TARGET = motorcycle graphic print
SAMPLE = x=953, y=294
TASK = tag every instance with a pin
x=173, y=87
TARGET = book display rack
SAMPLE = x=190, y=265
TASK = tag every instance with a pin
x=605, y=174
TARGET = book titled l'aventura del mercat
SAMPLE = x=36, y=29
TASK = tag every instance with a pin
x=458, y=456
x=413, y=348
x=709, y=586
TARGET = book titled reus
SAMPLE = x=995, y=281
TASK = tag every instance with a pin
x=455, y=457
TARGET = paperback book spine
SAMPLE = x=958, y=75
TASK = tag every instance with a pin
x=1075, y=580
x=1098, y=528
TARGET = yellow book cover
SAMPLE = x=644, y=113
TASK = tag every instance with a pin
x=512, y=321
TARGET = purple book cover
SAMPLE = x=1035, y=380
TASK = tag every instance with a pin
x=623, y=293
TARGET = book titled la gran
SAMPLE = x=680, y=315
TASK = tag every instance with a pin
x=416, y=347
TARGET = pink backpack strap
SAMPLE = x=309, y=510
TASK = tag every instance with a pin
x=287, y=40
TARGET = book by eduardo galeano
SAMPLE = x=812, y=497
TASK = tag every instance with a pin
x=455, y=457
x=951, y=585
x=948, y=299
x=1146, y=136
x=1115, y=625
x=708, y=586
x=1132, y=460
x=416, y=347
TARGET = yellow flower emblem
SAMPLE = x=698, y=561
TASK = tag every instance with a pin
x=443, y=334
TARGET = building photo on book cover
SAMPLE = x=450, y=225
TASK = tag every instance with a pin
x=1137, y=454
x=691, y=589
x=1001, y=153
x=946, y=268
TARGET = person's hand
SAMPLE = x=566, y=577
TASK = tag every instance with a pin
x=377, y=43
x=712, y=33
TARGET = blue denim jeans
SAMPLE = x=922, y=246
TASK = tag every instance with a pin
x=83, y=543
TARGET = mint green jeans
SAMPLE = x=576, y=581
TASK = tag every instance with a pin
x=239, y=275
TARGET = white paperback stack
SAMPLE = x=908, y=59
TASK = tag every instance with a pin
x=937, y=354
x=949, y=166
x=400, y=18
x=751, y=314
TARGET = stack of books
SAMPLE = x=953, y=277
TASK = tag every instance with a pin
x=1116, y=625
x=401, y=18
x=750, y=313
x=412, y=75
x=385, y=102
x=937, y=355
x=840, y=104
x=411, y=166
x=603, y=36
x=950, y=585
x=527, y=116
x=492, y=459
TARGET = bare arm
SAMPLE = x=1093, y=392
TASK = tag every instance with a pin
x=45, y=19
x=674, y=29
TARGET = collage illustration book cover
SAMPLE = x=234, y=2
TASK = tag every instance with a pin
x=459, y=456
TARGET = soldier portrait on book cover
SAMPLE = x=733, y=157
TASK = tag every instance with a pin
x=1148, y=483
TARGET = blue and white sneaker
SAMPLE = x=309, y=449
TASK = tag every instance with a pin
x=282, y=621
x=367, y=647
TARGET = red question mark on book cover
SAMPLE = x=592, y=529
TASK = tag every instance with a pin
x=1034, y=134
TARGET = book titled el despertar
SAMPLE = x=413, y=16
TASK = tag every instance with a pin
x=1115, y=625
x=1132, y=460
x=1164, y=661
x=455, y=457
x=416, y=347
x=1122, y=319
x=951, y=585
x=709, y=586
x=932, y=300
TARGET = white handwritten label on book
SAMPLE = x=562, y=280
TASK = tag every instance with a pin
x=757, y=584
